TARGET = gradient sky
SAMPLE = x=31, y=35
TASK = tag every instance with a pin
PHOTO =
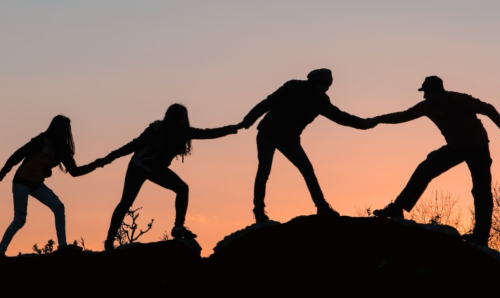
x=113, y=67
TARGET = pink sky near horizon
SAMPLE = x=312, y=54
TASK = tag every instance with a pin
x=113, y=68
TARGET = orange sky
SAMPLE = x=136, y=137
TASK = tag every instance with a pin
x=113, y=68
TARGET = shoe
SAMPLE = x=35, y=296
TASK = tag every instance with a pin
x=472, y=238
x=260, y=215
x=390, y=210
x=182, y=232
x=108, y=245
x=327, y=210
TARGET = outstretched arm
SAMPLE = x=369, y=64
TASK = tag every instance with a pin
x=264, y=106
x=336, y=115
x=400, y=117
x=212, y=133
x=29, y=148
x=75, y=171
x=255, y=113
x=135, y=144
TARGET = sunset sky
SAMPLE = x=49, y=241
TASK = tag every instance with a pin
x=114, y=67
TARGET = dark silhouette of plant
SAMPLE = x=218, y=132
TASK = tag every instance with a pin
x=46, y=249
x=494, y=241
x=164, y=237
x=81, y=241
x=127, y=232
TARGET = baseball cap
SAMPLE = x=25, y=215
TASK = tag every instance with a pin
x=432, y=83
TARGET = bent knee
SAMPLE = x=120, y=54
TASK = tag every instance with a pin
x=184, y=188
x=19, y=221
x=58, y=208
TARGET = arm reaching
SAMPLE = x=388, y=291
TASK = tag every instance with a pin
x=75, y=171
x=212, y=133
x=29, y=148
x=336, y=115
x=400, y=117
x=135, y=144
x=264, y=106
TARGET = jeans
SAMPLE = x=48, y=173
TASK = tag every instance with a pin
x=47, y=197
x=441, y=160
x=294, y=152
x=134, y=179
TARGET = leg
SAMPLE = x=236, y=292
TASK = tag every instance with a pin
x=134, y=179
x=47, y=197
x=20, y=192
x=265, y=154
x=479, y=162
x=170, y=180
x=296, y=155
x=437, y=162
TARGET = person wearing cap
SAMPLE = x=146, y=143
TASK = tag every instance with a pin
x=289, y=110
x=455, y=114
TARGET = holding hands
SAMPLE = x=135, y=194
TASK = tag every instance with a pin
x=101, y=162
x=370, y=123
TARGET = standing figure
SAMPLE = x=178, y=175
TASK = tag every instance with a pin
x=289, y=110
x=455, y=114
x=54, y=147
x=153, y=151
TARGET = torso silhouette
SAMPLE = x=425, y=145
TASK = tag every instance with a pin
x=292, y=107
x=455, y=114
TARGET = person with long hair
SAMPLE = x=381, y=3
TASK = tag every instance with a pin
x=153, y=151
x=54, y=147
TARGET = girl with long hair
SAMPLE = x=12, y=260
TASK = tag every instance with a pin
x=153, y=151
x=54, y=147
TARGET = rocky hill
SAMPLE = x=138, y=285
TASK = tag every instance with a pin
x=309, y=254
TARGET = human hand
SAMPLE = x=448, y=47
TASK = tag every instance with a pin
x=101, y=162
x=240, y=125
x=234, y=128
x=370, y=123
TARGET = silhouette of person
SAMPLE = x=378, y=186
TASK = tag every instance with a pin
x=289, y=110
x=54, y=147
x=455, y=114
x=153, y=151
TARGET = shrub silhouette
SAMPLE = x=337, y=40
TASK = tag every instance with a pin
x=127, y=232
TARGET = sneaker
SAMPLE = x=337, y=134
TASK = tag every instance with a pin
x=108, y=245
x=390, y=210
x=182, y=232
x=260, y=215
x=472, y=238
x=327, y=210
